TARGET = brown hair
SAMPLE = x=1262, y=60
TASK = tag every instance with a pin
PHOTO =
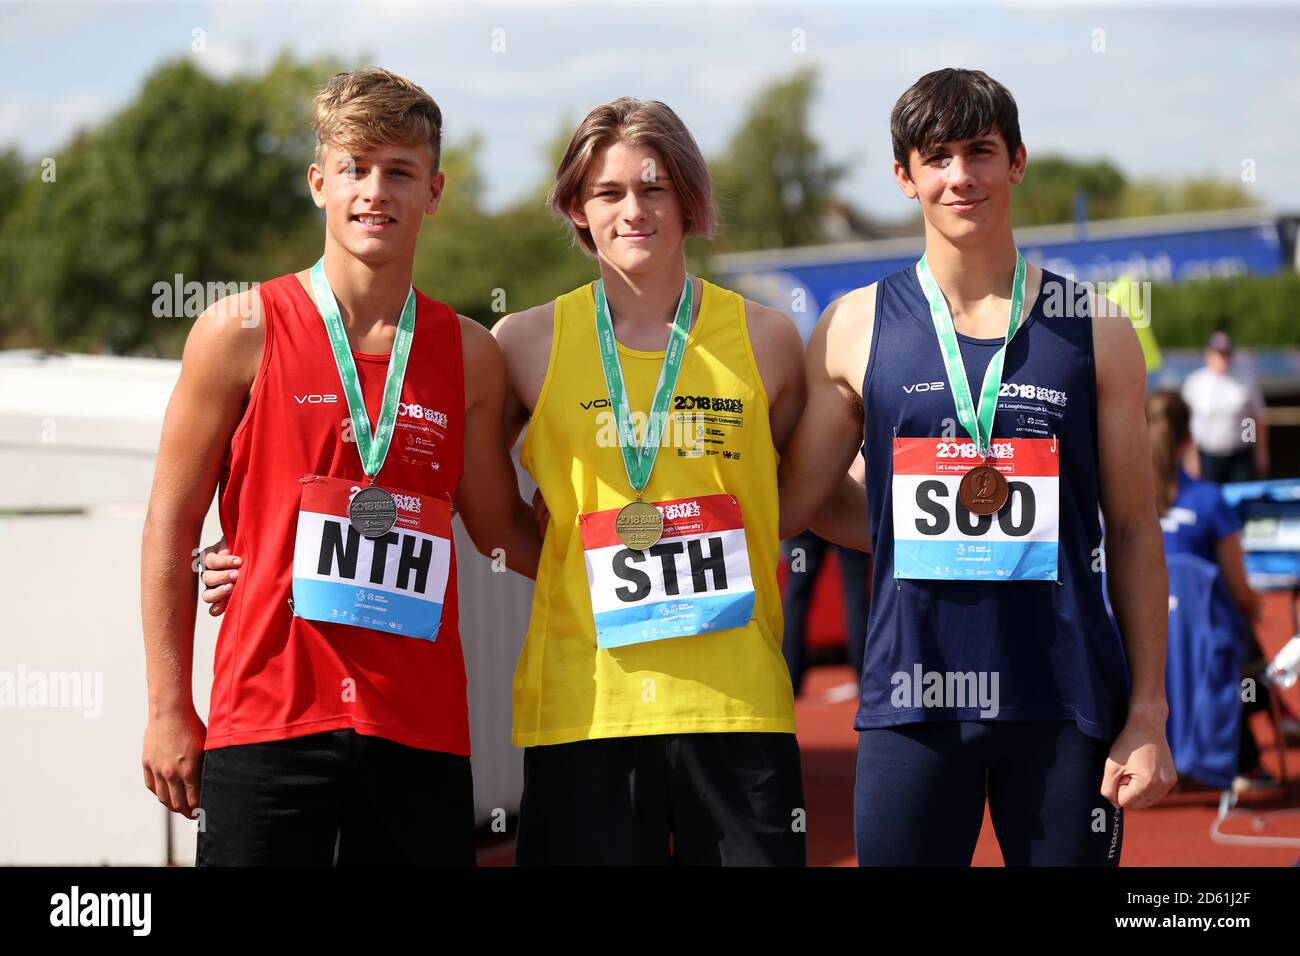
x=949, y=105
x=637, y=122
x=1168, y=428
x=375, y=107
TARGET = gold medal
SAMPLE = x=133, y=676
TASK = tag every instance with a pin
x=983, y=490
x=639, y=525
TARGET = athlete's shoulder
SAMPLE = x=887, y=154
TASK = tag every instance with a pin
x=769, y=325
x=855, y=303
x=232, y=324
x=1117, y=354
x=777, y=348
x=477, y=344
x=841, y=341
x=850, y=316
x=226, y=342
x=473, y=335
x=521, y=328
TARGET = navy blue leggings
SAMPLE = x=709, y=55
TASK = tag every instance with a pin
x=919, y=798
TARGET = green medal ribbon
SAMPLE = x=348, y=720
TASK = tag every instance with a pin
x=374, y=450
x=639, y=460
x=979, y=427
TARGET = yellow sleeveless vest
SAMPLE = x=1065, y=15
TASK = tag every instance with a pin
x=566, y=688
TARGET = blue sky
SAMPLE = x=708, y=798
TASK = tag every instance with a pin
x=1178, y=90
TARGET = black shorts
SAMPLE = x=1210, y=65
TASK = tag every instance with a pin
x=291, y=802
x=709, y=799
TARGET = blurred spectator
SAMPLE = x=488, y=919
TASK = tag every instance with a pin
x=1196, y=520
x=855, y=571
x=1221, y=401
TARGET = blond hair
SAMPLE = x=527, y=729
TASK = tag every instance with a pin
x=637, y=122
x=375, y=107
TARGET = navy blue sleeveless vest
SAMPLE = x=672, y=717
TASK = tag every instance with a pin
x=1054, y=651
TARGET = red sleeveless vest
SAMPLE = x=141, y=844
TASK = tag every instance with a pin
x=278, y=676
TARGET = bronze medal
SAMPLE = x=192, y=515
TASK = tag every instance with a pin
x=639, y=525
x=983, y=490
x=373, y=512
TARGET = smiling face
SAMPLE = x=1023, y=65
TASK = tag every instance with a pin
x=631, y=207
x=963, y=186
x=375, y=198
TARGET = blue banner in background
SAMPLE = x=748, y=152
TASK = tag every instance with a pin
x=802, y=282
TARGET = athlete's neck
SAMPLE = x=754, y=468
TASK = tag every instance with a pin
x=369, y=295
x=972, y=276
x=644, y=305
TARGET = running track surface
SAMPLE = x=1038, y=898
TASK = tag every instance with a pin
x=1174, y=833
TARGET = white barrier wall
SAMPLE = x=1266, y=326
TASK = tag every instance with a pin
x=77, y=440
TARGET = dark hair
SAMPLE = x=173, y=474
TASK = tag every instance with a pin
x=948, y=105
x=1168, y=428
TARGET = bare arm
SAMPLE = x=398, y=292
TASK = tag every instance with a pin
x=1232, y=563
x=842, y=519
x=525, y=341
x=778, y=352
x=220, y=362
x=488, y=498
x=1140, y=769
x=815, y=486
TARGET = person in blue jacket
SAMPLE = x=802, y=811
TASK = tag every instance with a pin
x=1197, y=520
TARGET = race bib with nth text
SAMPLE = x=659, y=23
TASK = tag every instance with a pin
x=394, y=583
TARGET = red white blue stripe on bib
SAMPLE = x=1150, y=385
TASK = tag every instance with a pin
x=937, y=538
x=694, y=580
x=394, y=583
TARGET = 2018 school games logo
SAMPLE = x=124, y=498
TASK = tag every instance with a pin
x=421, y=413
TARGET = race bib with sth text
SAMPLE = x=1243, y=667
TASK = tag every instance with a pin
x=694, y=580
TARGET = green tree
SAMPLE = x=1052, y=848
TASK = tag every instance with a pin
x=190, y=178
x=1046, y=195
x=773, y=182
x=1151, y=197
x=13, y=173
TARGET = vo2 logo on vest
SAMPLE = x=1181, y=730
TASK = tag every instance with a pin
x=316, y=398
x=943, y=514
